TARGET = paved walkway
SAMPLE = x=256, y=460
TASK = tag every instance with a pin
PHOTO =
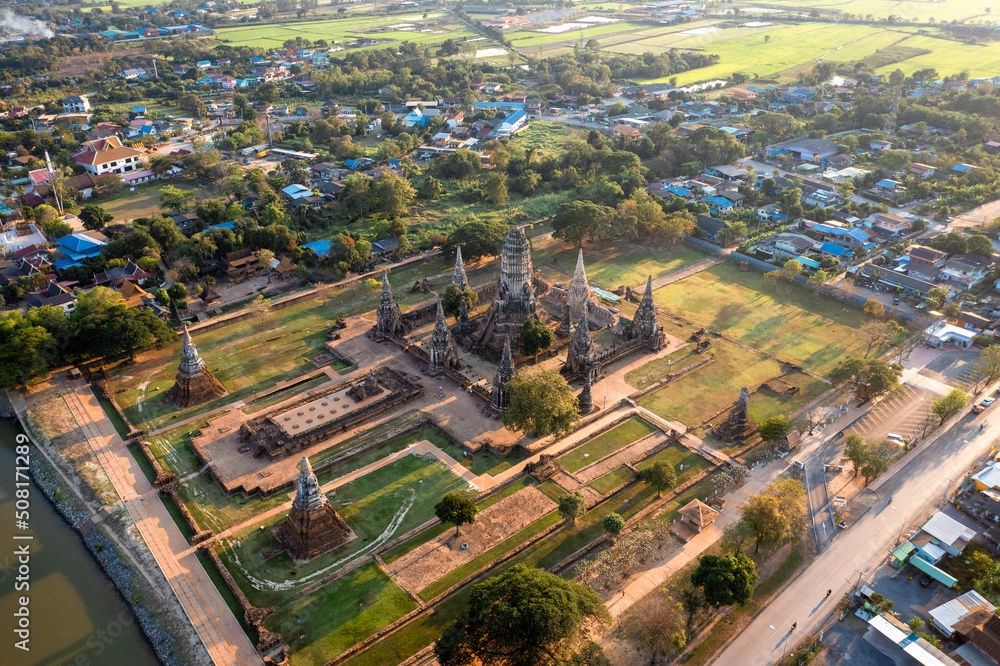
x=681, y=273
x=211, y=618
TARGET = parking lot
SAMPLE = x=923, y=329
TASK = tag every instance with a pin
x=904, y=414
x=955, y=367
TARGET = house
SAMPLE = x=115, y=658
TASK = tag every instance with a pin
x=965, y=269
x=384, y=247
x=621, y=129
x=55, y=294
x=321, y=247
x=513, y=123
x=988, y=478
x=108, y=156
x=295, y=191
x=710, y=227
x=892, y=223
x=941, y=333
x=135, y=297
x=79, y=246
x=76, y=104
x=726, y=172
x=922, y=171
x=132, y=74
x=962, y=168
x=982, y=631
x=878, y=144
x=117, y=276
x=947, y=615
x=805, y=149
x=240, y=265
x=901, y=644
x=945, y=533
x=869, y=275
x=283, y=268
x=718, y=205
x=786, y=245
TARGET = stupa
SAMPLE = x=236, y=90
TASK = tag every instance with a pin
x=312, y=526
x=194, y=383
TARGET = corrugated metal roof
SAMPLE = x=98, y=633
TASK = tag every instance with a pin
x=947, y=530
x=989, y=476
x=932, y=571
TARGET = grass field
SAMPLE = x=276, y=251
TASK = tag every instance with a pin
x=657, y=369
x=547, y=137
x=377, y=506
x=213, y=510
x=605, y=444
x=611, y=265
x=906, y=10
x=605, y=483
x=344, y=29
x=785, y=321
x=684, y=462
x=144, y=202
x=340, y=614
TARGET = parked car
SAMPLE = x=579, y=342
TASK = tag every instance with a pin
x=986, y=402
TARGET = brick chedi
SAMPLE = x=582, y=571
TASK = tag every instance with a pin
x=194, y=383
x=579, y=291
x=458, y=277
x=388, y=319
x=644, y=325
x=312, y=526
x=581, y=347
x=738, y=425
x=443, y=352
x=515, y=300
x=499, y=396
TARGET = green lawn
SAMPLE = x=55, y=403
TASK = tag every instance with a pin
x=547, y=137
x=785, y=321
x=694, y=398
x=678, y=457
x=144, y=202
x=605, y=444
x=606, y=483
x=659, y=368
x=765, y=404
x=611, y=265
x=213, y=510
x=340, y=614
x=173, y=451
x=388, y=501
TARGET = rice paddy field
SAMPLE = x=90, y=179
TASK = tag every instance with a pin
x=274, y=35
x=944, y=10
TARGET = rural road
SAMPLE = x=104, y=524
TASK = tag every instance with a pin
x=917, y=489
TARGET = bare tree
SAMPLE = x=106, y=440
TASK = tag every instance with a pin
x=261, y=307
x=876, y=333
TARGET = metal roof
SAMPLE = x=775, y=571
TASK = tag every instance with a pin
x=989, y=476
x=947, y=530
x=948, y=614
x=932, y=571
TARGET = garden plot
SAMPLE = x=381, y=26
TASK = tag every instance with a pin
x=434, y=559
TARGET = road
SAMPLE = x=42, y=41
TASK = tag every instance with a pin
x=916, y=488
x=215, y=624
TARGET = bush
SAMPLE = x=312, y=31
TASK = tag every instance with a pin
x=983, y=340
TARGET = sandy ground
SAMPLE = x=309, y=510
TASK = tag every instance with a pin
x=431, y=561
x=976, y=217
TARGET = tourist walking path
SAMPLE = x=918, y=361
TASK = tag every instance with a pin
x=211, y=618
x=681, y=273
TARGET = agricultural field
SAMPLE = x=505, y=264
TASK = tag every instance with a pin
x=531, y=39
x=906, y=10
x=345, y=29
x=950, y=57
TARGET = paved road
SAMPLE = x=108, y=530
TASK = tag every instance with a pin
x=215, y=624
x=917, y=488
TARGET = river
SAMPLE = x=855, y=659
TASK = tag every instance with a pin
x=76, y=616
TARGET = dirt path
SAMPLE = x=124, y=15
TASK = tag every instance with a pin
x=681, y=273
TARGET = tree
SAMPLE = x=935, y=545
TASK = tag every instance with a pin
x=453, y=297
x=660, y=475
x=456, y=509
x=774, y=428
x=988, y=365
x=260, y=307
x=613, y=524
x=26, y=349
x=766, y=520
x=867, y=377
x=874, y=308
x=496, y=188
x=536, y=337
x=264, y=256
x=576, y=221
x=855, y=451
x=56, y=228
x=876, y=334
x=94, y=217
x=430, y=189
x=542, y=403
x=478, y=238
x=737, y=536
x=108, y=185
x=522, y=617
x=393, y=195
x=950, y=404
x=175, y=199
x=791, y=269
x=572, y=506
x=372, y=287
x=872, y=466
x=177, y=291
x=725, y=579
x=981, y=245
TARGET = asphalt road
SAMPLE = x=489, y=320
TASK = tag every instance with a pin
x=917, y=489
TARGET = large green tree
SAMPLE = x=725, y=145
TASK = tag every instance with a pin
x=456, y=509
x=478, y=238
x=94, y=217
x=536, y=337
x=951, y=404
x=725, y=579
x=26, y=349
x=868, y=377
x=660, y=476
x=523, y=617
x=542, y=402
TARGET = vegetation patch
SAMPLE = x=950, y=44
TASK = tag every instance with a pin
x=605, y=444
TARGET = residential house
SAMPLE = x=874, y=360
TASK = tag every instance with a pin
x=55, y=295
x=871, y=275
x=981, y=630
x=622, y=129
x=20, y=235
x=892, y=223
x=710, y=226
x=924, y=262
x=117, y=276
x=79, y=246
x=384, y=247
x=295, y=192
x=728, y=173
x=283, y=268
x=132, y=74
x=108, y=156
x=240, y=265
x=786, y=245
x=942, y=535
x=718, y=205
x=76, y=104
x=513, y=123
x=805, y=149
x=922, y=171
x=940, y=334
x=966, y=270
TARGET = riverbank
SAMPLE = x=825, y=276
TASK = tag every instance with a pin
x=120, y=553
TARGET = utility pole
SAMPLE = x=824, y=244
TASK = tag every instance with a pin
x=267, y=117
x=156, y=74
x=55, y=184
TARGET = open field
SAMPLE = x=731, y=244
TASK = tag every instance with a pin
x=528, y=38
x=906, y=10
x=950, y=57
x=684, y=462
x=611, y=265
x=340, y=614
x=606, y=483
x=144, y=202
x=605, y=444
x=784, y=320
x=333, y=30
x=547, y=137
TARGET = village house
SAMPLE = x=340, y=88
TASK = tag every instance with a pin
x=108, y=156
x=892, y=223
x=76, y=104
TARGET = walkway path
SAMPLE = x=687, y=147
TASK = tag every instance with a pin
x=211, y=618
x=681, y=273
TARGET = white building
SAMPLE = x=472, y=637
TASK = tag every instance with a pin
x=76, y=104
x=941, y=333
x=105, y=156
